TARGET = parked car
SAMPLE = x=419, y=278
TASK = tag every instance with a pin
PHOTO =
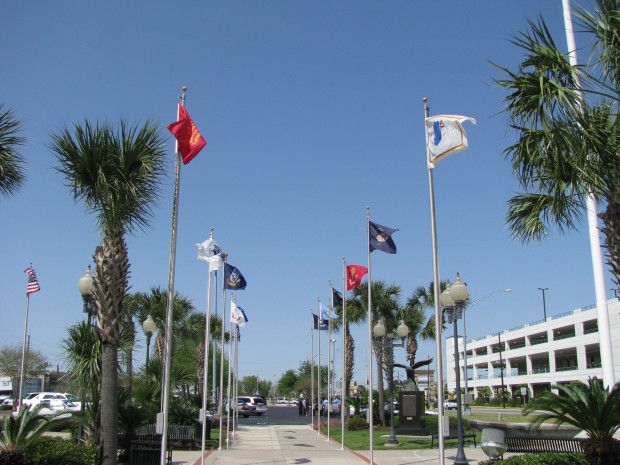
x=33, y=400
x=256, y=401
x=449, y=405
x=25, y=401
x=8, y=401
x=60, y=408
x=245, y=409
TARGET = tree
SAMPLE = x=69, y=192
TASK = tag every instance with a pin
x=11, y=360
x=590, y=407
x=286, y=384
x=422, y=299
x=17, y=432
x=566, y=119
x=117, y=174
x=385, y=307
x=11, y=162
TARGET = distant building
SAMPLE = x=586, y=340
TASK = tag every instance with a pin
x=562, y=349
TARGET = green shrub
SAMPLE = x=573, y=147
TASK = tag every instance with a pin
x=547, y=458
x=357, y=423
x=48, y=450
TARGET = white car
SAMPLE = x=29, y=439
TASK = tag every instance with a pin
x=41, y=396
x=449, y=405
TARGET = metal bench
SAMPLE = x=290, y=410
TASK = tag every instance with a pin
x=533, y=444
x=454, y=434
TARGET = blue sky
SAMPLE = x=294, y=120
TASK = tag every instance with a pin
x=312, y=111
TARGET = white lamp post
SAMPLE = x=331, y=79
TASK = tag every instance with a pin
x=149, y=328
x=402, y=331
x=452, y=299
x=86, y=287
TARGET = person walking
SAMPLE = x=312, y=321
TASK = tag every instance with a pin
x=300, y=407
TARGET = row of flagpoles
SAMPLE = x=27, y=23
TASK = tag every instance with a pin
x=445, y=136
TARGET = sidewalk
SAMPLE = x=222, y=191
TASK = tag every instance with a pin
x=288, y=445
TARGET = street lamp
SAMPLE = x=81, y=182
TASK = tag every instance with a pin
x=543, y=289
x=452, y=299
x=86, y=287
x=402, y=331
x=149, y=328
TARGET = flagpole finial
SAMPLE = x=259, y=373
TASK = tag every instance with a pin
x=424, y=99
x=184, y=88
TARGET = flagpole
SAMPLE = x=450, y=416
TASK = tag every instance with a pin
x=311, y=406
x=171, y=272
x=370, y=401
x=329, y=358
x=236, y=379
x=220, y=406
x=205, y=369
x=230, y=403
x=214, y=356
x=438, y=313
x=23, y=367
x=343, y=394
x=607, y=361
x=318, y=375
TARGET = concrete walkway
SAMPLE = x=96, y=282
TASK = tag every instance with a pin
x=292, y=445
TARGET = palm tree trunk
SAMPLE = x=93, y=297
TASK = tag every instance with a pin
x=349, y=348
x=611, y=232
x=109, y=407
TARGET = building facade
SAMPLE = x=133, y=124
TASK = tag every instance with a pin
x=536, y=355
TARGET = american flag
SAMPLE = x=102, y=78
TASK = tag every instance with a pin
x=33, y=282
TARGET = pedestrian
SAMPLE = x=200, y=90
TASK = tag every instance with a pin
x=300, y=407
x=305, y=408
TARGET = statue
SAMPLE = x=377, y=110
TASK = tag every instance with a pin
x=411, y=384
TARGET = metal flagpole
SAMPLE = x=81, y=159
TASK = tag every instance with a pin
x=171, y=270
x=311, y=406
x=318, y=376
x=220, y=406
x=438, y=314
x=230, y=402
x=607, y=361
x=370, y=402
x=329, y=358
x=236, y=377
x=23, y=367
x=205, y=368
x=344, y=394
x=214, y=395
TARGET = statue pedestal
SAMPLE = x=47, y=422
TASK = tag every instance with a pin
x=411, y=410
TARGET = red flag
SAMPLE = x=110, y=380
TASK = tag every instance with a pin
x=355, y=273
x=187, y=135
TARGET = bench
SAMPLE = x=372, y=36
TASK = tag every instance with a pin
x=467, y=436
x=143, y=449
x=534, y=444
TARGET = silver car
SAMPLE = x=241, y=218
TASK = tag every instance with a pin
x=255, y=401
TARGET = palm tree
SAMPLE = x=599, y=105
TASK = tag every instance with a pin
x=385, y=307
x=20, y=431
x=566, y=118
x=421, y=300
x=117, y=174
x=11, y=162
x=590, y=407
x=142, y=304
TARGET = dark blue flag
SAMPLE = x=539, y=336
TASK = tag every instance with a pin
x=336, y=298
x=233, y=279
x=380, y=238
x=320, y=326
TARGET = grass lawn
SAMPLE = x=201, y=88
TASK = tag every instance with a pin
x=360, y=440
